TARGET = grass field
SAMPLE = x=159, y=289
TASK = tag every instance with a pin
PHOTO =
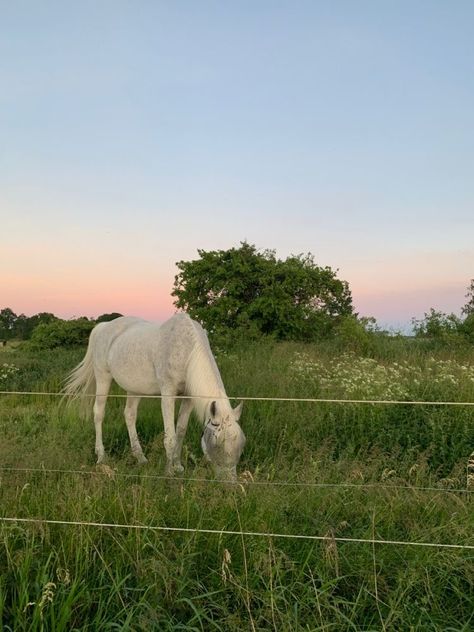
x=64, y=578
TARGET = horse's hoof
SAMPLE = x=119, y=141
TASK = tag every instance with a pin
x=172, y=470
x=141, y=459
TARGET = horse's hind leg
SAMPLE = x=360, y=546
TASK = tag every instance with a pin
x=131, y=420
x=103, y=382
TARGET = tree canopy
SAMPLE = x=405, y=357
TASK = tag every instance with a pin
x=293, y=299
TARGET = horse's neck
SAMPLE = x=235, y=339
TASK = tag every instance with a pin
x=204, y=382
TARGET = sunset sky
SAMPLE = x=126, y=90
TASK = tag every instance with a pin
x=134, y=133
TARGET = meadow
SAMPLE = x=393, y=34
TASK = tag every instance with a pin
x=364, y=471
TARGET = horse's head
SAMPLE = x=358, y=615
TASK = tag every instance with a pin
x=223, y=440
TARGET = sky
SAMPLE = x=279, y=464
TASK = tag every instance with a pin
x=133, y=133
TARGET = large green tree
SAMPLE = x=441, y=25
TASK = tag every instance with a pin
x=294, y=299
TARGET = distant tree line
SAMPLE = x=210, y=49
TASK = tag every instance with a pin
x=244, y=293
x=449, y=328
x=21, y=327
x=47, y=331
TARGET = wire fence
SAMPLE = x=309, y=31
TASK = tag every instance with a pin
x=220, y=532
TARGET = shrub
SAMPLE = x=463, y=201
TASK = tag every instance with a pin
x=61, y=333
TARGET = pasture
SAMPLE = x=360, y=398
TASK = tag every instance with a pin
x=362, y=471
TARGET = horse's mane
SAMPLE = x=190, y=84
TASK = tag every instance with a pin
x=202, y=375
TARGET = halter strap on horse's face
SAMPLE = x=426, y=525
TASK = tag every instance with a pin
x=206, y=426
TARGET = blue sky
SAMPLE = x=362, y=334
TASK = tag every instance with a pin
x=134, y=133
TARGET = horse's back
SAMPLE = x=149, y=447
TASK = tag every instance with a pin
x=144, y=356
x=105, y=334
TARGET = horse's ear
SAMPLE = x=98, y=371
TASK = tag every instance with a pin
x=213, y=409
x=238, y=411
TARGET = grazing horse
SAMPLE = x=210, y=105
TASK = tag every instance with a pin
x=172, y=360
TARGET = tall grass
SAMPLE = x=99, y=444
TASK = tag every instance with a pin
x=59, y=577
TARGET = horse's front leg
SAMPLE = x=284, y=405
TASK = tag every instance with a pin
x=167, y=409
x=131, y=420
x=181, y=427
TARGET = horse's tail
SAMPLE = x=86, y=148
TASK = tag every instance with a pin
x=80, y=383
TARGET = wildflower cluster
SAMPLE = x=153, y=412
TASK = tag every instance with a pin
x=6, y=372
x=449, y=372
x=351, y=376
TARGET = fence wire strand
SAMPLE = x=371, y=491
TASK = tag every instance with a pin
x=178, y=479
x=221, y=532
x=315, y=400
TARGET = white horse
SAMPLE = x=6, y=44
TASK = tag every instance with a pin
x=170, y=360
